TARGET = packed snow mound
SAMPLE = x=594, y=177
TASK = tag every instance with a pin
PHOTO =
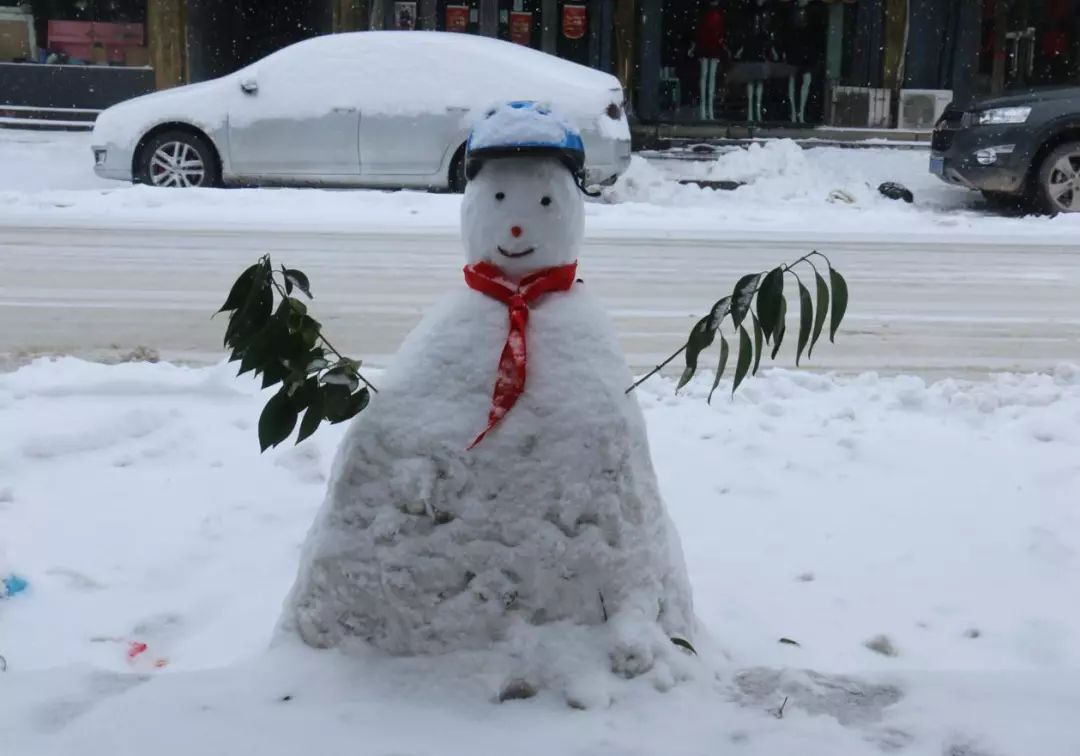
x=549, y=533
x=780, y=173
x=48, y=180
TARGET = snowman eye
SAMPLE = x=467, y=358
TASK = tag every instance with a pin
x=545, y=201
x=500, y=196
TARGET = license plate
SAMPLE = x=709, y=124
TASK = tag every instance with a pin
x=937, y=166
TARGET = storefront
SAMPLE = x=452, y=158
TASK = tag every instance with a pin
x=73, y=55
x=700, y=63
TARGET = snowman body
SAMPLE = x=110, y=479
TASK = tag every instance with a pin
x=553, y=521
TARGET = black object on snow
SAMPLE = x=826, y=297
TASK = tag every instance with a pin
x=896, y=191
x=705, y=184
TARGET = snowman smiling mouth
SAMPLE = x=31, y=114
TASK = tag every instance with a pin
x=522, y=253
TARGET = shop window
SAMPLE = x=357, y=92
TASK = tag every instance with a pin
x=80, y=32
x=759, y=61
x=458, y=16
x=521, y=21
x=573, y=36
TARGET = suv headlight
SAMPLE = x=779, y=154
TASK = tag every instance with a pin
x=996, y=116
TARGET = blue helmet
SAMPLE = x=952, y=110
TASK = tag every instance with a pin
x=524, y=128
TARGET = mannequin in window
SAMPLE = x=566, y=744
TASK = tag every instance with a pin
x=710, y=47
x=756, y=56
x=801, y=49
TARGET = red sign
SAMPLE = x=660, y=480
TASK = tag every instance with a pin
x=457, y=18
x=521, y=27
x=574, y=23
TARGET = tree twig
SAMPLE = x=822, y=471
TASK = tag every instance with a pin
x=780, y=711
x=656, y=369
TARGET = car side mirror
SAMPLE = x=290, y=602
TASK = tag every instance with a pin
x=249, y=86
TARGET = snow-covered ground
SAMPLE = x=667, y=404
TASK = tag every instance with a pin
x=919, y=542
x=47, y=179
x=937, y=523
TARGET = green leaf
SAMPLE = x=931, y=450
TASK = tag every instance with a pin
x=822, y=310
x=781, y=328
x=743, y=296
x=806, y=321
x=742, y=366
x=277, y=420
x=840, y=299
x=294, y=382
x=255, y=311
x=312, y=418
x=684, y=644
x=701, y=335
x=310, y=332
x=342, y=376
x=758, y=338
x=720, y=367
x=299, y=280
x=719, y=311
x=273, y=372
x=335, y=399
x=769, y=298
x=339, y=404
x=240, y=288
x=317, y=364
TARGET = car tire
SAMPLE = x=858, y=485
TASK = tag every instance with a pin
x=178, y=159
x=457, y=179
x=1057, y=184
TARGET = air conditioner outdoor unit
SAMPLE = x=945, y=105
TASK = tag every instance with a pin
x=861, y=107
x=920, y=109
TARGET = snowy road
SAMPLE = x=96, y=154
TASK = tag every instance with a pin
x=918, y=306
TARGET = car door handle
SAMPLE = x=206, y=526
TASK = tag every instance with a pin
x=343, y=109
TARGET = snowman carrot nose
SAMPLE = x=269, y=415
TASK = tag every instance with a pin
x=515, y=231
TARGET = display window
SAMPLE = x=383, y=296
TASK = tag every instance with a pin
x=458, y=16
x=756, y=61
x=74, y=32
x=521, y=22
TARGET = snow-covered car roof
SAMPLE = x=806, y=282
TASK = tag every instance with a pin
x=414, y=72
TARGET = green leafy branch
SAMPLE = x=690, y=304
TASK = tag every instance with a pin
x=285, y=345
x=768, y=321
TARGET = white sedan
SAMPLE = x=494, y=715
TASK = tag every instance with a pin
x=389, y=109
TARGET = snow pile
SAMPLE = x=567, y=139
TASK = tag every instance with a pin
x=544, y=549
x=829, y=512
x=780, y=171
x=787, y=194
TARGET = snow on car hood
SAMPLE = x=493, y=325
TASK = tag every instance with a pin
x=202, y=105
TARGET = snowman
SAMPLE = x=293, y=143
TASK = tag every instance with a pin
x=498, y=494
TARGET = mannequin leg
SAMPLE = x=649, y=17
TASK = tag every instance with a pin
x=703, y=87
x=713, y=64
x=791, y=99
x=749, y=102
x=806, y=82
x=759, y=88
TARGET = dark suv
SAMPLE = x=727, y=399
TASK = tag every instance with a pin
x=1022, y=150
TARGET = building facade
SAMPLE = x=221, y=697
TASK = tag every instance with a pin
x=694, y=62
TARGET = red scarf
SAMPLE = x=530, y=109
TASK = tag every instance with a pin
x=490, y=280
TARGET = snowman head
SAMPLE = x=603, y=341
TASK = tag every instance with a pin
x=523, y=210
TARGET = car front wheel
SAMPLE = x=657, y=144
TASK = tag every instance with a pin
x=178, y=159
x=1059, y=180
